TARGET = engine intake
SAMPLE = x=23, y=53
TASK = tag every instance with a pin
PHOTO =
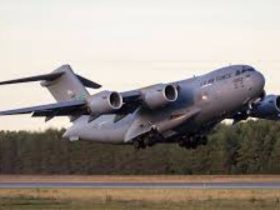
x=268, y=108
x=159, y=95
x=104, y=102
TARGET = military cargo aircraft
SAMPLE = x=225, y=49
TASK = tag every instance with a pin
x=181, y=112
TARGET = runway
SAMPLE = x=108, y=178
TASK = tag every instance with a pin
x=138, y=185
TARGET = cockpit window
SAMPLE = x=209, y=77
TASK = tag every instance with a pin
x=244, y=70
x=247, y=69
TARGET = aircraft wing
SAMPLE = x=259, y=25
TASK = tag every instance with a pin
x=132, y=95
x=132, y=100
x=75, y=107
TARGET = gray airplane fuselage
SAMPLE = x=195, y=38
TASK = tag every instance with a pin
x=203, y=102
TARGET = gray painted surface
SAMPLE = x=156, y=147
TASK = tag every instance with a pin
x=139, y=185
x=190, y=108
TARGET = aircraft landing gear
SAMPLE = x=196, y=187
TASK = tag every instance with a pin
x=147, y=140
x=193, y=142
x=139, y=144
x=203, y=140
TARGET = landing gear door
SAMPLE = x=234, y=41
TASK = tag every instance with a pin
x=139, y=127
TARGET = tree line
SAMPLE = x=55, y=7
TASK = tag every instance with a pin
x=252, y=147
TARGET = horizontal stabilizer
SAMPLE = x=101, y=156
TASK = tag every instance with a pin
x=51, y=77
x=46, y=77
x=88, y=83
x=58, y=109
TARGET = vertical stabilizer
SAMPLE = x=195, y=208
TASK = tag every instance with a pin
x=66, y=87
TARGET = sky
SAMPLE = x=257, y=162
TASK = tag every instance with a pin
x=128, y=44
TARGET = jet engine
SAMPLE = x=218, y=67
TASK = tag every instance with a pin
x=268, y=108
x=159, y=95
x=104, y=102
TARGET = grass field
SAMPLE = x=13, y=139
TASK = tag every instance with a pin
x=33, y=204
x=139, y=199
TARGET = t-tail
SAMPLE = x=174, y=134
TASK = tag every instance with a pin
x=63, y=84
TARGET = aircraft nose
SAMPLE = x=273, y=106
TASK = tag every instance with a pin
x=259, y=81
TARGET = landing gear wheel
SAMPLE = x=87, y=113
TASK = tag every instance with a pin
x=204, y=140
x=182, y=143
x=193, y=142
x=143, y=146
x=148, y=141
x=137, y=145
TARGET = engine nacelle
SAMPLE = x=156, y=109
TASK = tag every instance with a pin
x=159, y=95
x=268, y=108
x=104, y=102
